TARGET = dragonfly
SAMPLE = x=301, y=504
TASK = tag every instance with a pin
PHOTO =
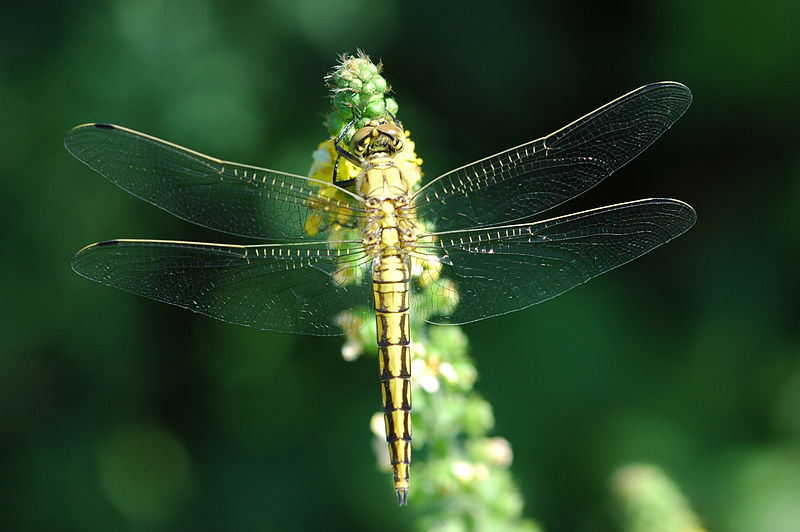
x=468, y=245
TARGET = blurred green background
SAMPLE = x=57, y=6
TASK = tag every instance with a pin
x=119, y=413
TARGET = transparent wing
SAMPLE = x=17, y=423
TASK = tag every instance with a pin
x=303, y=288
x=492, y=271
x=531, y=178
x=230, y=197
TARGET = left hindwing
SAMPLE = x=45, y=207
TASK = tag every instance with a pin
x=302, y=288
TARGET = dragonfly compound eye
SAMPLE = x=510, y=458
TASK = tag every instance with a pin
x=362, y=138
x=390, y=130
x=394, y=135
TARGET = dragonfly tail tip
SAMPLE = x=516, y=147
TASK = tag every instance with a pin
x=402, y=496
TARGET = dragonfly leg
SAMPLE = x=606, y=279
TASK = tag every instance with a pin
x=342, y=152
x=394, y=119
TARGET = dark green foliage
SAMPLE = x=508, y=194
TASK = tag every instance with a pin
x=120, y=413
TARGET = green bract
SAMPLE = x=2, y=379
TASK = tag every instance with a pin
x=358, y=91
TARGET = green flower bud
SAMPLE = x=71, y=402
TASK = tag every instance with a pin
x=478, y=417
x=366, y=69
x=369, y=88
x=339, y=81
x=375, y=109
x=334, y=124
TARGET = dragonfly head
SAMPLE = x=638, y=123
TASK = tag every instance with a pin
x=378, y=137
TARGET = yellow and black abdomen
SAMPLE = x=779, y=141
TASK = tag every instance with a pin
x=390, y=293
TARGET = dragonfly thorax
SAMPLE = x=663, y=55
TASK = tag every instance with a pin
x=390, y=229
x=389, y=226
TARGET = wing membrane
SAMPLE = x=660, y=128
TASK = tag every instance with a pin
x=230, y=197
x=531, y=178
x=303, y=288
x=496, y=270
